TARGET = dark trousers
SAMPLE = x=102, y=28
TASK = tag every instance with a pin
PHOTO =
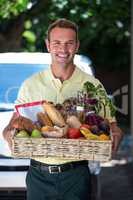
x=74, y=184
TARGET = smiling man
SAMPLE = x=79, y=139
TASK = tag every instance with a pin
x=56, y=178
x=63, y=44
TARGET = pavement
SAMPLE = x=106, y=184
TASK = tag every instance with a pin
x=116, y=177
x=117, y=182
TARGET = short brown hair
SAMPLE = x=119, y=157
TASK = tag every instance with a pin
x=63, y=23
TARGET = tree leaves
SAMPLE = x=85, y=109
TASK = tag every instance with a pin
x=9, y=9
x=100, y=32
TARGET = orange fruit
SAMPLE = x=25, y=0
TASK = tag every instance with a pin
x=104, y=137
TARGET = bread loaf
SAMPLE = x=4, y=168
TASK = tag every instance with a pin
x=73, y=121
x=54, y=114
x=54, y=132
x=23, y=123
x=44, y=119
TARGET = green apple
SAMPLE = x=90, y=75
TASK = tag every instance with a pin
x=22, y=133
x=36, y=133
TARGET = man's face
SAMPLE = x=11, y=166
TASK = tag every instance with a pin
x=62, y=46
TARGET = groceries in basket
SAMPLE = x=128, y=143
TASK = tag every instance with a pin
x=74, y=129
x=67, y=120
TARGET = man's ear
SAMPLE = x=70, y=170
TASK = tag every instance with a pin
x=47, y=44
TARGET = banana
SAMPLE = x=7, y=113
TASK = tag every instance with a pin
x=88, y=134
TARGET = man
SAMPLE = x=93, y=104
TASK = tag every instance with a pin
x=69, y=180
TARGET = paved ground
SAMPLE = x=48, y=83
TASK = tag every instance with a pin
x=116, y=181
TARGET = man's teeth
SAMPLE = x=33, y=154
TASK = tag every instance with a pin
x=63, y=56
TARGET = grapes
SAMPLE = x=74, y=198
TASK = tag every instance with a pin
x=89, y=120
x=95, y=130
x=93, y=119
x=103, y=126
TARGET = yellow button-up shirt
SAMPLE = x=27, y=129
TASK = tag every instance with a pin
x=44, y=86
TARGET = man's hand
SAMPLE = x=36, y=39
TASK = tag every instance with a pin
x=20, y=123
x=9, y=130
x=117, y=135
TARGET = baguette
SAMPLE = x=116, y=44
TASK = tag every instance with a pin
x=54, y=114
x=44, y=119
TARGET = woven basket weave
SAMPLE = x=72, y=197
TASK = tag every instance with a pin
x=78, y=149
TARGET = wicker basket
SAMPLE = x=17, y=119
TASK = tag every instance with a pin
x=75, y=149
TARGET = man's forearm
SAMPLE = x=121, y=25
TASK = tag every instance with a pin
x=9, y=127
x=117, y=135
x=5, y=131
x=116, y=129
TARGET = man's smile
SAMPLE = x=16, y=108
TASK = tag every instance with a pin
x=62, y=57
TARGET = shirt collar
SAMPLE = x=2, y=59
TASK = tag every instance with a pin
x=74, y=75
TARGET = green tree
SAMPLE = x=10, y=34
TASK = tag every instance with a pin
x=8, y=8
x=104, y=27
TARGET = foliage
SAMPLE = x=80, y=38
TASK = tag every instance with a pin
x=104, y=26
x=9, y=8
x=104, y=29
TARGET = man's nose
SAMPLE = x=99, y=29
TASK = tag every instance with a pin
x=63, y=48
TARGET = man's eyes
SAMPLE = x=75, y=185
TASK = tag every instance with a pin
x=70, y=43
x=55, y=43
x=66, y=44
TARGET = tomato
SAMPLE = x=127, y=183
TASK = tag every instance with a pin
x=85, y=126
x=74, y=133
